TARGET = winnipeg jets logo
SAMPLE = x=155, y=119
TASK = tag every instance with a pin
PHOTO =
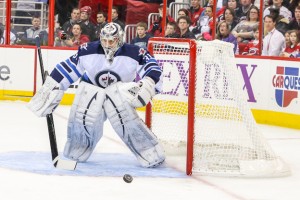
x=106, y=78
x=142, y=52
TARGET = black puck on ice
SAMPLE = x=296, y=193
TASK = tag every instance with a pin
x=127, y=178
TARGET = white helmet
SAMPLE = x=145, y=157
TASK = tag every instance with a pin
x=111, y=38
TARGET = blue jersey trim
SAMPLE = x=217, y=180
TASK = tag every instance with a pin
x=73, y=68
x=149, y=70
x=64, y=73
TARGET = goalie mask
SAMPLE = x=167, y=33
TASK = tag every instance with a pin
x=111, y=38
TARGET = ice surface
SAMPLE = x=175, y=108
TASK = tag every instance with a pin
x=26, y=171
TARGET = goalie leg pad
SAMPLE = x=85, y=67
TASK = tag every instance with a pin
x=85, y=126
x=131, y=129
x=47, y=98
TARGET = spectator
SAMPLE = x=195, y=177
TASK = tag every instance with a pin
x=13, y=38
x=252, y=48
x=243, y=31
x=33, y=31
x=77, y=39
x=142, y=37
x=282, y=23
x=205, y=23
x=183, y=24
x=101, y=22
x=171, y=30
x=292, y=6
x=295, y=23
x=246, y=5
x=195, y=11
x=156, y=28
x=230, y=18
x=293, y=47
x=234, y=4
x=115, y=19
x=274, y=41
x=75, y=18
x=183, y=12
x=13, y=34
x=286, y=13
x=223, y=33
x=88, y=28
x=287, y=37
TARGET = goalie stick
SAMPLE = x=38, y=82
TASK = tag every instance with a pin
x=57, y=162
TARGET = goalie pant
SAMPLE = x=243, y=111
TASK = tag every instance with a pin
x=91, y=107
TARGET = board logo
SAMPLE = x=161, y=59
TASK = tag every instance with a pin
x=4, y=73
x=286, y=82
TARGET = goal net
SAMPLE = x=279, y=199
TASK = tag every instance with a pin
x=203, y=110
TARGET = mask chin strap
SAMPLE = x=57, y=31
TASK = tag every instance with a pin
x=109, y=54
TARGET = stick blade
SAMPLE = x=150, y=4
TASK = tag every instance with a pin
x=66, y=164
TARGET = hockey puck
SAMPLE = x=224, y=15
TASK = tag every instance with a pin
x=127, y=178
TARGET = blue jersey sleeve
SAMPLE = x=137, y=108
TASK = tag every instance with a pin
x=69, y=70
x=149, y=65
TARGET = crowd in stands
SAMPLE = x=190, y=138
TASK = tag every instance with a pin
x=237, y=22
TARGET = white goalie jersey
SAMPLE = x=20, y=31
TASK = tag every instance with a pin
x=90, y=64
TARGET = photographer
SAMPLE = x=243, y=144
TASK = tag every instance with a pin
x=74, y=41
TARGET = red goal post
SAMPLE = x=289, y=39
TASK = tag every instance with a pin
x=191, y=98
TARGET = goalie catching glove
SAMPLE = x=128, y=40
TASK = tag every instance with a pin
x=138, y=94
x=46, y=99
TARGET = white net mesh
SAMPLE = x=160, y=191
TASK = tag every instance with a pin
x=226, y=138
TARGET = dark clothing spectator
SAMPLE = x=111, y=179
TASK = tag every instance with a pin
x=282, y=24
x=141, y=42
x=89, y=29
x=188, y=34
x=120, y=23
x=75, y=18
x=115, y=17
x=244, y=10
x=173, y=35
x=156, y=28
x=101, y=22
x=294, y=25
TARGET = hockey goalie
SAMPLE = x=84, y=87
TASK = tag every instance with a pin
x=107, y=90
